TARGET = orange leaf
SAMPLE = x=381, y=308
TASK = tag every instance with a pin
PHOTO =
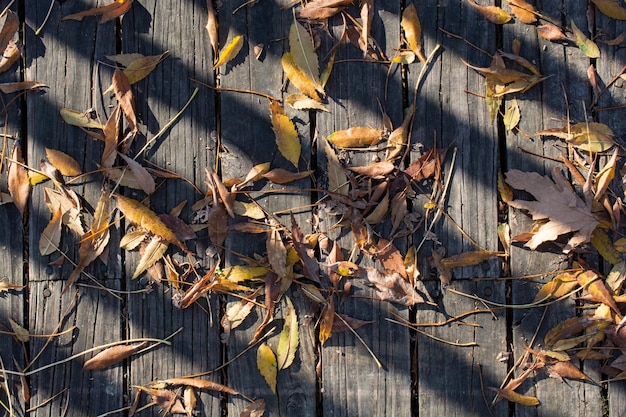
x=327, y=318
x=510, y=395
x=355, y=137
x=376, y=169
x=413, y=31
x=18, y=183
x=108, y=12
x=551, y=33
x=63, y=162
x=598, y=291
x=523, y=11
x=202, y=384
x=492, y=13
x=282, y=176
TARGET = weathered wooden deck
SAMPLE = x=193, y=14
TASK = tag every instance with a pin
x=420, y=376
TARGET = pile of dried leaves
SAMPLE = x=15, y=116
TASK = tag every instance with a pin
x=361, y=197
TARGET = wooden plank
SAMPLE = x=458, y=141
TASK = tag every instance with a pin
x=63, y=44
x=248, y=139
x=454, y=380
x=541, y=108
x=186, y=149
x=12, y=239
x=352, y=383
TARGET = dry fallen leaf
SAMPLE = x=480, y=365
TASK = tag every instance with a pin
x=591, y=136
x=556, y=202
x=322, y=9
x=230, y=51
x=18, y=182
x=611, y=8
x=393, y=287
x=586, y=45
x=287, y=138
x=108, y=12
x=523, y=11
x=289, y=338
x=212, y=27
x=355, y=137
x=412, y=28
x=299, y=78
x=50, y=238
x=266, y=363
x=302, y=50
x=494, y=14
x=112, y=356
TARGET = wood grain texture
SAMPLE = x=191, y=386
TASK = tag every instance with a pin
x=352, y=382
x=248, y=139
x=186, y=148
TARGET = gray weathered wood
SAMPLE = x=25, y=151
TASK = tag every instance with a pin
x=152, y=28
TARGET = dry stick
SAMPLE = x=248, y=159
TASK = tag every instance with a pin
x=42, y=335
x=423, y=333
x=482, y=388
x=46, y=401
x=40, y=28
x=235, y=90
x=105, y=346
x=6, y=387
x=538, y=303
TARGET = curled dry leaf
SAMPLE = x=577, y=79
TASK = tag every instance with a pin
x=323, y=9
x=393, y=287
x=8, y=88
x=150, y=254
x=11, y=55
x=230, y=51
x=515, y=397
x=302, y=102
x=202, y=384
x=287, y=138
x=112, y=356
x=557, y=287
x=494, y=14
x=141, y=174
x=124, y=95
x=9, y=29
x=212, y=26
x=50, y=238
x=398, y=142
x=255, y=409
x=108, y=12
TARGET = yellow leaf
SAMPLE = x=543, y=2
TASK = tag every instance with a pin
x=138, y=68
x=289, y=338
x=413, y=31
x=586, y=45
x=355, y=137
x=591, y=136
x=266, y=363
x=302, y=49
x=51, y=235
x=600, y=240
x=250, y=210
x=492, y=13
x=230, y=51
x=557, y=287
x=152, y=253
x=510, y=395
x=512, y=115
x=327, y=318
x=299, y=79
x=605, y=176
x=142, y=216
x=18, y=181
x=77, y=118
x=286, y=134
x=302, y=102
x=611, y=8
x=239, y=273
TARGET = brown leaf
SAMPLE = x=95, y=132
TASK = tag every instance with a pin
x=566, y=369
x=63, y=162
x=556, y=202
x=18, y=183
x=566, y=329
x=108, y=12
x=551, y=33
x=339, y=325
x=367, y=15
x=597, y=289
x=14, y=87
x=276, y=253
x=202, y=384
x=217, y=220
x=377, y=169
x=227, y=197
x=398, y=142
x=323, y=9
x=11, y=55
x=212, y=27
x=309, y=264
x=393, y=288
x=112, y=356
x=9, y=29
x=427, y=165
x=255, y=409
x=470, y=258
x=611, y=8
x=124, y=95
x=390, y=258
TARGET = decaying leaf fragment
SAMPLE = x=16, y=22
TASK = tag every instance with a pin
x=393, y=287
x=255, y=409
x=108, y=12
x=556, y=202
x=7, y=286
